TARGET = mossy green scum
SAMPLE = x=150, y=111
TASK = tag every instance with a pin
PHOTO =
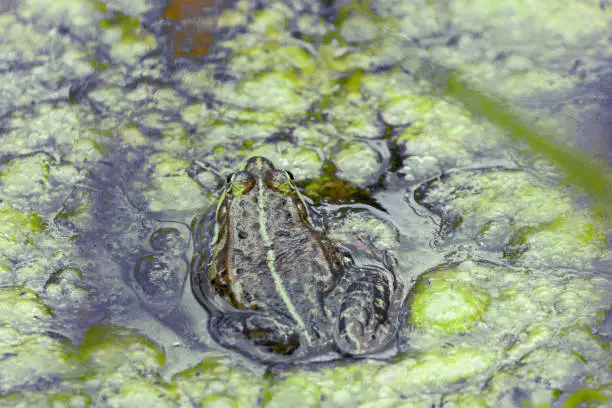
x=579, y=168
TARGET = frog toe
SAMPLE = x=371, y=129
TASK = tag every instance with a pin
x=364, y=324
x=362, y=333
x=271, y=335
x=259, y=337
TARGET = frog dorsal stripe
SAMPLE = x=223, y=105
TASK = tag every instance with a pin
x=271, y=257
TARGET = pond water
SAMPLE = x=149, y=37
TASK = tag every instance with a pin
x=119, y=127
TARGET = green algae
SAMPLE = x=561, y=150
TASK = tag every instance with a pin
x=31, y=354
x=295, y=390
x=25, y=175
x=137, y=392
x=65, y=289
x=442, y=129
x=166, y=165
x=298, y=58
x=355, y=116
x=293, y=62
x=37, y=359
x=351, y=84
x=89, y=150
x=346, y=106
x=550, y=244
x=330, y=187
x=49, y=399
x=581, y=300
x=358, y=163
x=358, y=28
x=585, y=396
x=486, y=194
x=437, y=368
x=271, y=22
x=199, y=115
x=125, y=34
x=16, y=226
x=268, y=92
x=130, y=27
x=383, y=235
x=108, y=349
x=62, y=124
x=357, y=7
x=304, y=163
x=543, y=224
x=215, y=384
x=579, y=168
x=441, y=302
x=529, y=333
x=315, y=135
x=534, y=337
x=173, y=189
x=464, y=400
x=215, y=379
x=404, y=110
x=217, y=401
x=75, y=213
x=289, y=393
x=20, y=306
x=340, y=386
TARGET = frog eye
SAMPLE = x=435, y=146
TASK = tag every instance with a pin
x=277, y=176
x=228, y=180
x=241, y=183
x=290, y=175
x=279, y=180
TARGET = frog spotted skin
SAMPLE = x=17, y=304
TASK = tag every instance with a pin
x=275, y=287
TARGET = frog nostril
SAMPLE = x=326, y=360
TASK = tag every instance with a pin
x=242, y=235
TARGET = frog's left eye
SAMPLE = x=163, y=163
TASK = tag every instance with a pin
x=290, y=174
x=276, y=177
x=228, y=180
x=279, y=180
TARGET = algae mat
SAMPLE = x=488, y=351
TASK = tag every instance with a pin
x=110, y=147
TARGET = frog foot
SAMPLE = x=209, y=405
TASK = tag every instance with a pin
x=261, y=337
x=363, y=325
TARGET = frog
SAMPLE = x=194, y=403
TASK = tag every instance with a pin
x=276, y=288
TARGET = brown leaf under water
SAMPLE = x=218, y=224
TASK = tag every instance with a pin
x=193, y=24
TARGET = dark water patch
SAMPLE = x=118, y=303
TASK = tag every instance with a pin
x=595, y=121
x=79, y=88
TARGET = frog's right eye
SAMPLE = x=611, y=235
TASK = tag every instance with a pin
x=241, y=183
x=228, y=180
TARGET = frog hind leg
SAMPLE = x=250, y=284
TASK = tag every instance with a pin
x=260, y=337
x=364, y=323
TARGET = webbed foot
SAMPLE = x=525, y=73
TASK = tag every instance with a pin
x=260, y=337
x=365, y=324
